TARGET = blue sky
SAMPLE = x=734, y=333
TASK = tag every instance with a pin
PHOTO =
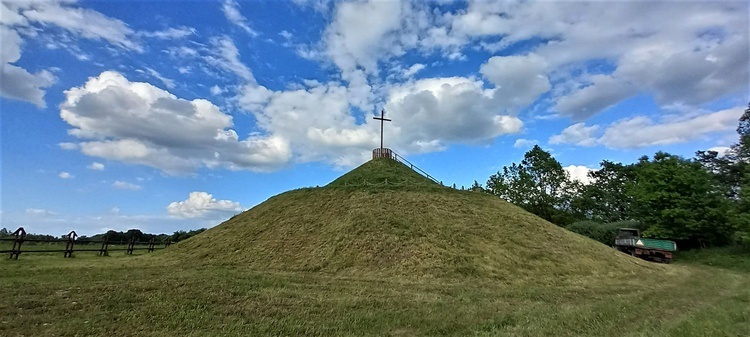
x=167, y=115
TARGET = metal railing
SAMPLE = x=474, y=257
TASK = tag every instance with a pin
x=403, y=160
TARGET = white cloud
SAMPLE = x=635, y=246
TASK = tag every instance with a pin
x=202, y=204
x=644, y=131
x=721, y=150
x=68, y=146
x=96, y=166
x=415, y=68
x=65, y=175
x=677, y=52
x=286, y=35
x=578, y=134
x=124, y=185
x=355, y=40
x=579, y=173
x=17, y=83
x=519, y=79
x=37, y=212
x=603, y=92
x=435, y=111
x=315, y=122
x=170, y=33
x=167, y=82
x=231, y=10
x=84, y=22
x=226, y=56
x=138, y=123
x=215, y=90
x=525, y=143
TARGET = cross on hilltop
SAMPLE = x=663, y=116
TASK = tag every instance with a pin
x=381, y=119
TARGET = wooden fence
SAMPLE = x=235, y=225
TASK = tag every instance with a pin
x=72, y=244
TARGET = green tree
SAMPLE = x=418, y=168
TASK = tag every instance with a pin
x=538, y=184
x=678, y=199
x=605, y=199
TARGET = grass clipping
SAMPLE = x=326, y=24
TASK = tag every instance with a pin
x=384, y=219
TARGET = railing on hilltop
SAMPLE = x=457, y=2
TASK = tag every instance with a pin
x=71, y=241
x=388, y=153
x=403, y=160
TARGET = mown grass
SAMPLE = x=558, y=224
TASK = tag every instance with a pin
x=733, y=257
x=379, y=252
x=122, y=295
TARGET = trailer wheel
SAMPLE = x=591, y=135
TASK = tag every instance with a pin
x=667, y=261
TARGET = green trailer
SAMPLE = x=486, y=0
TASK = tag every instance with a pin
x=629, y=241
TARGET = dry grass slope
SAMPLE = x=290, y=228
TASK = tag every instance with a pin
x=383, y=219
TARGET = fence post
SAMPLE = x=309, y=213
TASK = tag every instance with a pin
x=20, y=234
x=131, y=243
x=105, y=246
x=69, y=245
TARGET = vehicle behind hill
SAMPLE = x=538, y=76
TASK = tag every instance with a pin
x=629, y=241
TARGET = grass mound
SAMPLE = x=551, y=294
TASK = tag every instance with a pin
x=383, y=173
x=383, y=219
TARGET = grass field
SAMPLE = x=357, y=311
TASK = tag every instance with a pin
x=43, y=295
x=381, y=251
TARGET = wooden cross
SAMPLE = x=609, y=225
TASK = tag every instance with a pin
x=381, y=119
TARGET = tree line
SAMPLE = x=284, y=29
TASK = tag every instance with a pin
x=702, y=201
x=115, y=236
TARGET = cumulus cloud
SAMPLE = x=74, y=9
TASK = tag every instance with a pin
x=579, y=173
x=18, y=83
x=578, y=134
x=721, y=150
x=354, y=40
x=644, y=131
x=65, y=175
x=316, y=122
x=28, y=16
x=691, y=61
x=603, y=92
x=435, y=111
x=124, y=185
x=96, y=166
x=231, y=10
x=519, y=79
x=138, y=123
x=525, y=143
x=202, y=204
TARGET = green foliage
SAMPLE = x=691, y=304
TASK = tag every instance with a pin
x=605, y=199
x=538, y=184
x=679, y=200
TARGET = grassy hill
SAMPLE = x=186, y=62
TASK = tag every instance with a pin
x=383, y=218
x=378, y=252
